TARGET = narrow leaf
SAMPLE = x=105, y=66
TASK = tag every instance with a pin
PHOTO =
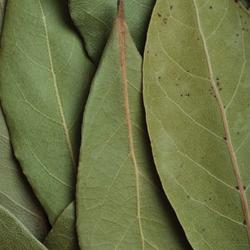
x=2, y=5
x=15, y=193
x=119, y=200
x=94, y=20
x=44, y=79
x=63, y=234
x=197, y=98
x=13, y=236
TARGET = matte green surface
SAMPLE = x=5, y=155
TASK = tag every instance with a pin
x=2, y=5
x=44, y=79
x=120, y=204
x=94, y=19
x=63, y=234
x=191, y=46
x=15, y=193
x=13, y=236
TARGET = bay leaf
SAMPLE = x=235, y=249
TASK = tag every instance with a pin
x=197, y=99
x=120, y=204
x=44, y=81
x=2, y=5
x=63, y=234
x=15, y=194
x=13, y=236
x=94, y=20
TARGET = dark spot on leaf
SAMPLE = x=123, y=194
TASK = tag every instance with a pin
x=210, y=7
x=159, y=77
x=237, y=187
x=244, y=187
x=188, y=196
x=225, y=138
x=171, y=7
x=220, y=89
x=238, y=132
x=159, y=15
x=165, y=20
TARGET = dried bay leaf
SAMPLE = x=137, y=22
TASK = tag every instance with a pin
x=119, y=200
x=13, y=236
x=44, y=79
x=94, y=20
x=197, y=99
x=15, y=194
x=63, y=234
x=2, y=6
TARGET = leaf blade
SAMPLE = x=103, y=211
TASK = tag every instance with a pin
x=45, y=75
x=63, y=234
x=14, y=236
x=190, y=112
x=119, y=207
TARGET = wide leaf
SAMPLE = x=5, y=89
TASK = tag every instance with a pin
x=15, y=193
x=95, y=18
x=44, y=80
x=120, y=204
x=13, y=236
x=197, y=98
x=63, y=234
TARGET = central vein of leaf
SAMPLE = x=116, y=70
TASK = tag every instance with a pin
x=58, y=98
x=229, y=143
x=122, y=39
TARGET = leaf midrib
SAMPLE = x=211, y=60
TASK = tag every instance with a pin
x=122, y=46
x=55, y=84
x=228, y=138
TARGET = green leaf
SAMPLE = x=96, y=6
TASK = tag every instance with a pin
x=13, y=236
x=15, y=193
x=197, y=99
x=44, y=81
x=2, y=6
x=120, y=204
x=95, y=18
x=63, y=234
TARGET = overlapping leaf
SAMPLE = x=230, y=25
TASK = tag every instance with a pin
x=14, y=236
x=119, y=200
x=15, y=194
x=94, y=19
x=197, y=98
x=44, y=79
x=63, y=234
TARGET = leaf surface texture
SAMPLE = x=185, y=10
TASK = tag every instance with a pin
x=13, y=236
x=95, y=18
x=15, y=193
x=119, y=201
x=63, y=234
x=44, y=79
x=197, y=99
